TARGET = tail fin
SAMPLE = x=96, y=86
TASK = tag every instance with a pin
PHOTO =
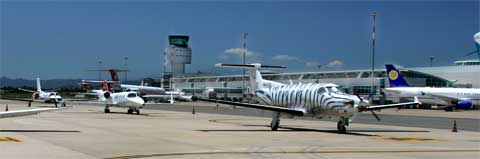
x=476, y=37
x=256, y=80
x=113, y=74
x=39, y=88
x=394, y=77
x=106, y=86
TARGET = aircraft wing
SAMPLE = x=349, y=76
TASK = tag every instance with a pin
x=16, y=113
x=19, y=99
x=258, y=106
x=385, y=106
x=26, y=90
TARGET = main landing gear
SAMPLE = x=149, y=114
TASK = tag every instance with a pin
x=133, y=109
x=342, y=125
x=107, y=110
x=275, y=121
x=130, y=110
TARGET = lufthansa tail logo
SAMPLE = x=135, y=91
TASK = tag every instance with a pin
x=393, y=75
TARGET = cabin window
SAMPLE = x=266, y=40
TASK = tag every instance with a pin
x=132, y=95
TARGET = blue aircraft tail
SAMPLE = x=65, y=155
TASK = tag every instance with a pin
x=394, y=77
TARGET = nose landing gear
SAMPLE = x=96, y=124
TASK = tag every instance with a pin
x=342, y=125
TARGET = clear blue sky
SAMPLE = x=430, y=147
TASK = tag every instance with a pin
x=64, y=39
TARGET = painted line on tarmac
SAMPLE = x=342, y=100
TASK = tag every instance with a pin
x=407, y=139
x=9, y=139
x=289, y=152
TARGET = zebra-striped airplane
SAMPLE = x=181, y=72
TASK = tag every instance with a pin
x=312, y=99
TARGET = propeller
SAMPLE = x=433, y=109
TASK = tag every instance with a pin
x=365, y=104
x=375, y=115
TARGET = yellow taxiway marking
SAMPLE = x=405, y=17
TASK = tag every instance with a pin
x=9, y=139
x=406, y=139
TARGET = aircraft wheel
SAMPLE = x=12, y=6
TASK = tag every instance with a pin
x=448, y=109
x=130, y=111
x=138, y=111
x=274, y=125
x=107, y=110
x=341, y=127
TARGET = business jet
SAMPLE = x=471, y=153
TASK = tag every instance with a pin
x=46, y=97
x=448, y=98
x=312, y=99
x=147, y=91
x=130, y=99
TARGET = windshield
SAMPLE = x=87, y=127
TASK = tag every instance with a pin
x=132, y=95
x=335, y=90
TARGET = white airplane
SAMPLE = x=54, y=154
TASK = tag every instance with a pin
x=47, y=97
x=312, y=99
x=147, y=91
x=130, y=100
x=450, y=98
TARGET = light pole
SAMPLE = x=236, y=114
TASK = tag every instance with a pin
x=431, y=60
x=374, y=14
x=244, y=54
x=125, y=65
x=99, y=72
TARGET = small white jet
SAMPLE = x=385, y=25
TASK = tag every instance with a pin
x=46, y=97
x=130, y=100
x=449, y=98
x=147, y=91
x=312, y=99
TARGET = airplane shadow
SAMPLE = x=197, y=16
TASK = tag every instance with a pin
x=126, y=113
x=296, y=129
x=65, y=131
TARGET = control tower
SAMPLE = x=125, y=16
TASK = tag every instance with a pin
x=177, y=54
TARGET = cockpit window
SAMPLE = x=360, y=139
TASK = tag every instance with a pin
x=132, y=95
x=335, y=90
x=321, y=90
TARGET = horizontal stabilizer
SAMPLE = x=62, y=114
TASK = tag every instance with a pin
x=26, y=90
x=108, y=70
x=92, y=81
x=255, y=65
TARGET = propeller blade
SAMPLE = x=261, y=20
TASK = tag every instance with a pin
x=375, y=115
x=361, y=99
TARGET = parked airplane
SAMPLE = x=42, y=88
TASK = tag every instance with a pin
x=47, y=97
x=147, y=91
x=130, y=100
x=312, y=99
x=450, y=98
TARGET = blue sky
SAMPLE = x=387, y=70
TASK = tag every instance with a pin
x=65, y=39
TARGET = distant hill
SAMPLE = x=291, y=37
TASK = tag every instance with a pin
x=46, y=84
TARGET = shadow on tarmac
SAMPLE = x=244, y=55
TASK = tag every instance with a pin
x=66, y=131
x=293, y=129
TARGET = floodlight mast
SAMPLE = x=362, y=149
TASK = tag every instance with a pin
x=372, y=74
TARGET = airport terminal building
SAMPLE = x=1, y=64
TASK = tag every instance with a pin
x=463, y=74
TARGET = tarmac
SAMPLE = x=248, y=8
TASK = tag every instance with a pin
x=169, y=131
